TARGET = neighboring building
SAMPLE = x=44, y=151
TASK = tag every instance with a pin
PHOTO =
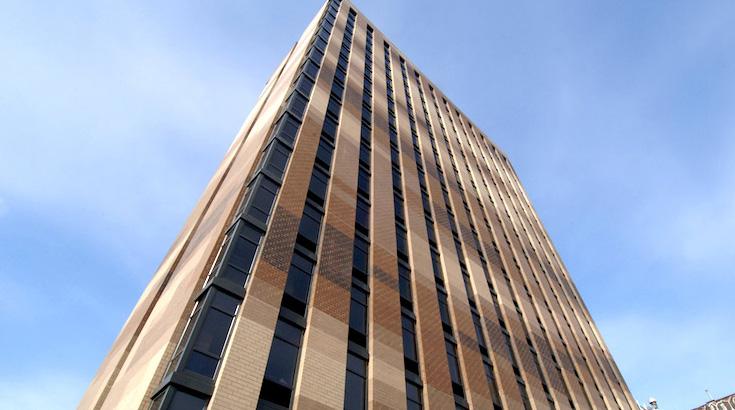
x=725, y=403
x=363, y=244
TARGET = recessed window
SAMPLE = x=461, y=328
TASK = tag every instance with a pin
x=276, y=158
x=287, y=128
x=362, y=216
x=324, y=154
x=297, y=104
x=318, y=186
x=363, y=182
x=409, y=338
x=360, y=256
x=304, y=84
x=329, y=129
x=358, y=311
x=355, y=383
x=186, y=401
x=309, y=227
x=262, y=199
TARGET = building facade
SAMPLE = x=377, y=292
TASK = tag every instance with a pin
x=362, y=245
x=725, y=403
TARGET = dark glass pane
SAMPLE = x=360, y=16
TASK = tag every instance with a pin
x=321, y=44
x=333, y=106
x=263, y=198
x=297, y=284
x=356, y=364
x=225, y=302
x=405, y=287
x=202, y=364
x=309, y=230
x=318, y=185
x=430, y=232
x=362, y=216
x=330, y=128
x=287, y=128
x=282, y=363
x=358, y=317
x=443, y=310
x=243, y=253
x=413, y=392
x=311, y=68
x=338, y=89
x=288, y=332
x=297, y=104
x=363, y=182
x=409, y=344
x=365, y=155
x=213, y=333
x=360, y=257
x=398, y=209
x=186, y=401
x=453, y=364
x=436, y=264
x=324, y=154
x=277, y=159
x=316, y=54
x=401, y=242
x=304, y=84
x=354, y=392
x=396, y=181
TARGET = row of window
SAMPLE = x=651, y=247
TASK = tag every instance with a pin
x=535, y=359
x=449, y=339
x=357, y=356
x=279, y=380
x=202, y=344
x=408, y=319
x=532, y=349
x=476, y=320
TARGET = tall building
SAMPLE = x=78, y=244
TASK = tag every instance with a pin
x=362, y=245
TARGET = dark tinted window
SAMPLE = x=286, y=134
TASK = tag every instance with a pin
x=358, y=312
x=318, y=186
x=363, y=182
x=277, y=159
x=304, y=84
x=297, y=104
x=409, y=338
x=282, y=362
x=330, y=128
x=324, y=154
x=360, y=256
x=311, y=68
x=365, y=154
x=355, y=383
x=362, y=216
x=242, y=256
x=309, y=228
x=263, y=198
x=186, y=401
x=213, y=333
x=333, y=107
x=401, y=242
x=287, y=128
x=443, y=308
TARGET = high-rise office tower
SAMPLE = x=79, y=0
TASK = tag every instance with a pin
x=362, y=245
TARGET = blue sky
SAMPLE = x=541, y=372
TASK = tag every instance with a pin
x=619, y=117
